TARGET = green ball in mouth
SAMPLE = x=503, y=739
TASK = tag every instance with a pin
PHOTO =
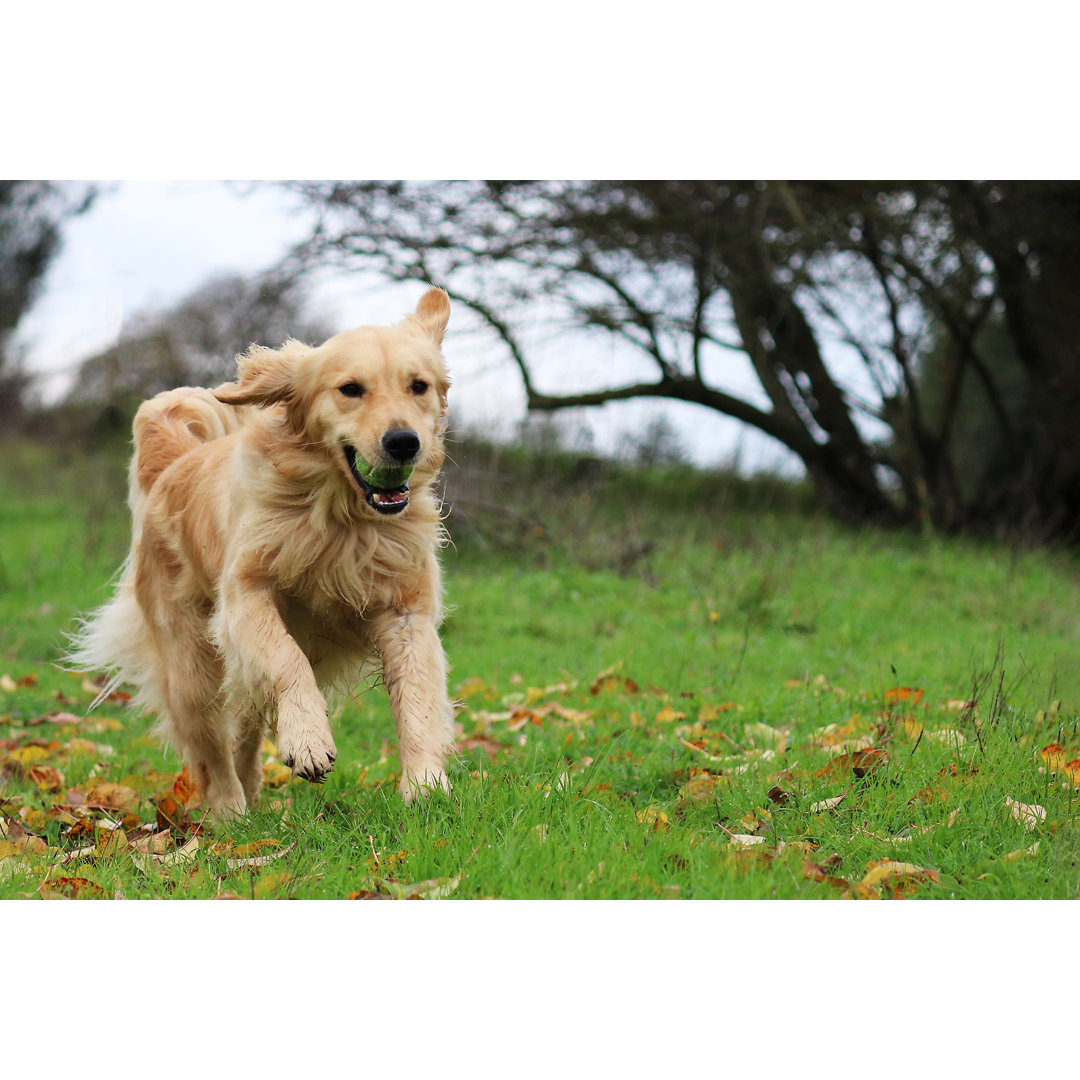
x=386, y=488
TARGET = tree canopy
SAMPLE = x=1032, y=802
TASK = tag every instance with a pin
x=195, y=342
x=875, y=317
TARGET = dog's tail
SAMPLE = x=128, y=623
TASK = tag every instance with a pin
x=115, y=638
x=168, y=426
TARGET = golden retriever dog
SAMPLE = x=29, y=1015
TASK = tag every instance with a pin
x=284, y=544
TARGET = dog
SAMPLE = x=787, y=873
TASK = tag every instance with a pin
x=285, y=539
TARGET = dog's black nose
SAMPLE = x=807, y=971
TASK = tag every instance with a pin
x=402, y=444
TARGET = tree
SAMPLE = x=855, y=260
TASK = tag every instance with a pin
x=32, y=213
x=195, y=342
x=842, y=298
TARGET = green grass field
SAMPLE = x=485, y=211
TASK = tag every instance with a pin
x=671, y=686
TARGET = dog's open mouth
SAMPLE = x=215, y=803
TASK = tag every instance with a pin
x=385, y=489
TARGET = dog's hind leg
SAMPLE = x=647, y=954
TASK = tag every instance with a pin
x=247, y=754
x=199, y=723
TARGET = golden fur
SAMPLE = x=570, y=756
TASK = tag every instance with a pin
x=261, y=576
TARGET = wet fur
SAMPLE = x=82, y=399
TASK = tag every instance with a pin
x=260, y=580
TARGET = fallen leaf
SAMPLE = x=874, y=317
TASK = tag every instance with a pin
x=61, y=719
x=71, y=888
x=904, y=693
x=668, y=715
x=1030, y=815
x=154, y=843
x=481, y=742
x=860, y=762
x=240, y=862
x=113, y=796
x=276, y=774
x=46, y=777
x=27, y=755
x=701, y=787
x=171, y=813
x=184, y=787
x=654, y=816
x=764, y=735
x=171, y=858
x=432, y=889
x=1028, y=852
x=827, y=804
x=1054, y=756
x=892, y=873
x=746, y=839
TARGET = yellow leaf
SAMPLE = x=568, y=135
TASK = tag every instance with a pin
x=27, y=755
x=8, y=684
x=653, y=815
x=888, y=869
x=1054, y=756
x=668, y=715
x=275, y=774
x=1028, y=852
x=912, y=728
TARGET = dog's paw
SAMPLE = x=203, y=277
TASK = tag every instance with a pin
x=309, y=754
x=431, y=780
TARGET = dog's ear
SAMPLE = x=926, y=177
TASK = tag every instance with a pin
x=432, y=314
x=264, y=376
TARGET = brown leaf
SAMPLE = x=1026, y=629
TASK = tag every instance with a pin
x=71, y=888
x=779, y=796
x=63, y=719
x=156, y=843
x=859, y=762
x=46, y=777
x=184, y=787
x=172, y=814
x=113, y=796
x=480, y=742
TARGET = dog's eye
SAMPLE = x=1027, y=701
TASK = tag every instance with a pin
x=419, y=387
x=351, y=389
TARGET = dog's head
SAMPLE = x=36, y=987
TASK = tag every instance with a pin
x=373, y=399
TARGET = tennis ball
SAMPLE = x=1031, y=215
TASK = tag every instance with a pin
x=382, y=477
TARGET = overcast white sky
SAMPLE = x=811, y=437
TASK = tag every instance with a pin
x=151, y=242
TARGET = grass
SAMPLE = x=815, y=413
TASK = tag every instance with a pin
x=673, y=685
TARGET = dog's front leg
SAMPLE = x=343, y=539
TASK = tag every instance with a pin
x=265, y=665
x=414, y=668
